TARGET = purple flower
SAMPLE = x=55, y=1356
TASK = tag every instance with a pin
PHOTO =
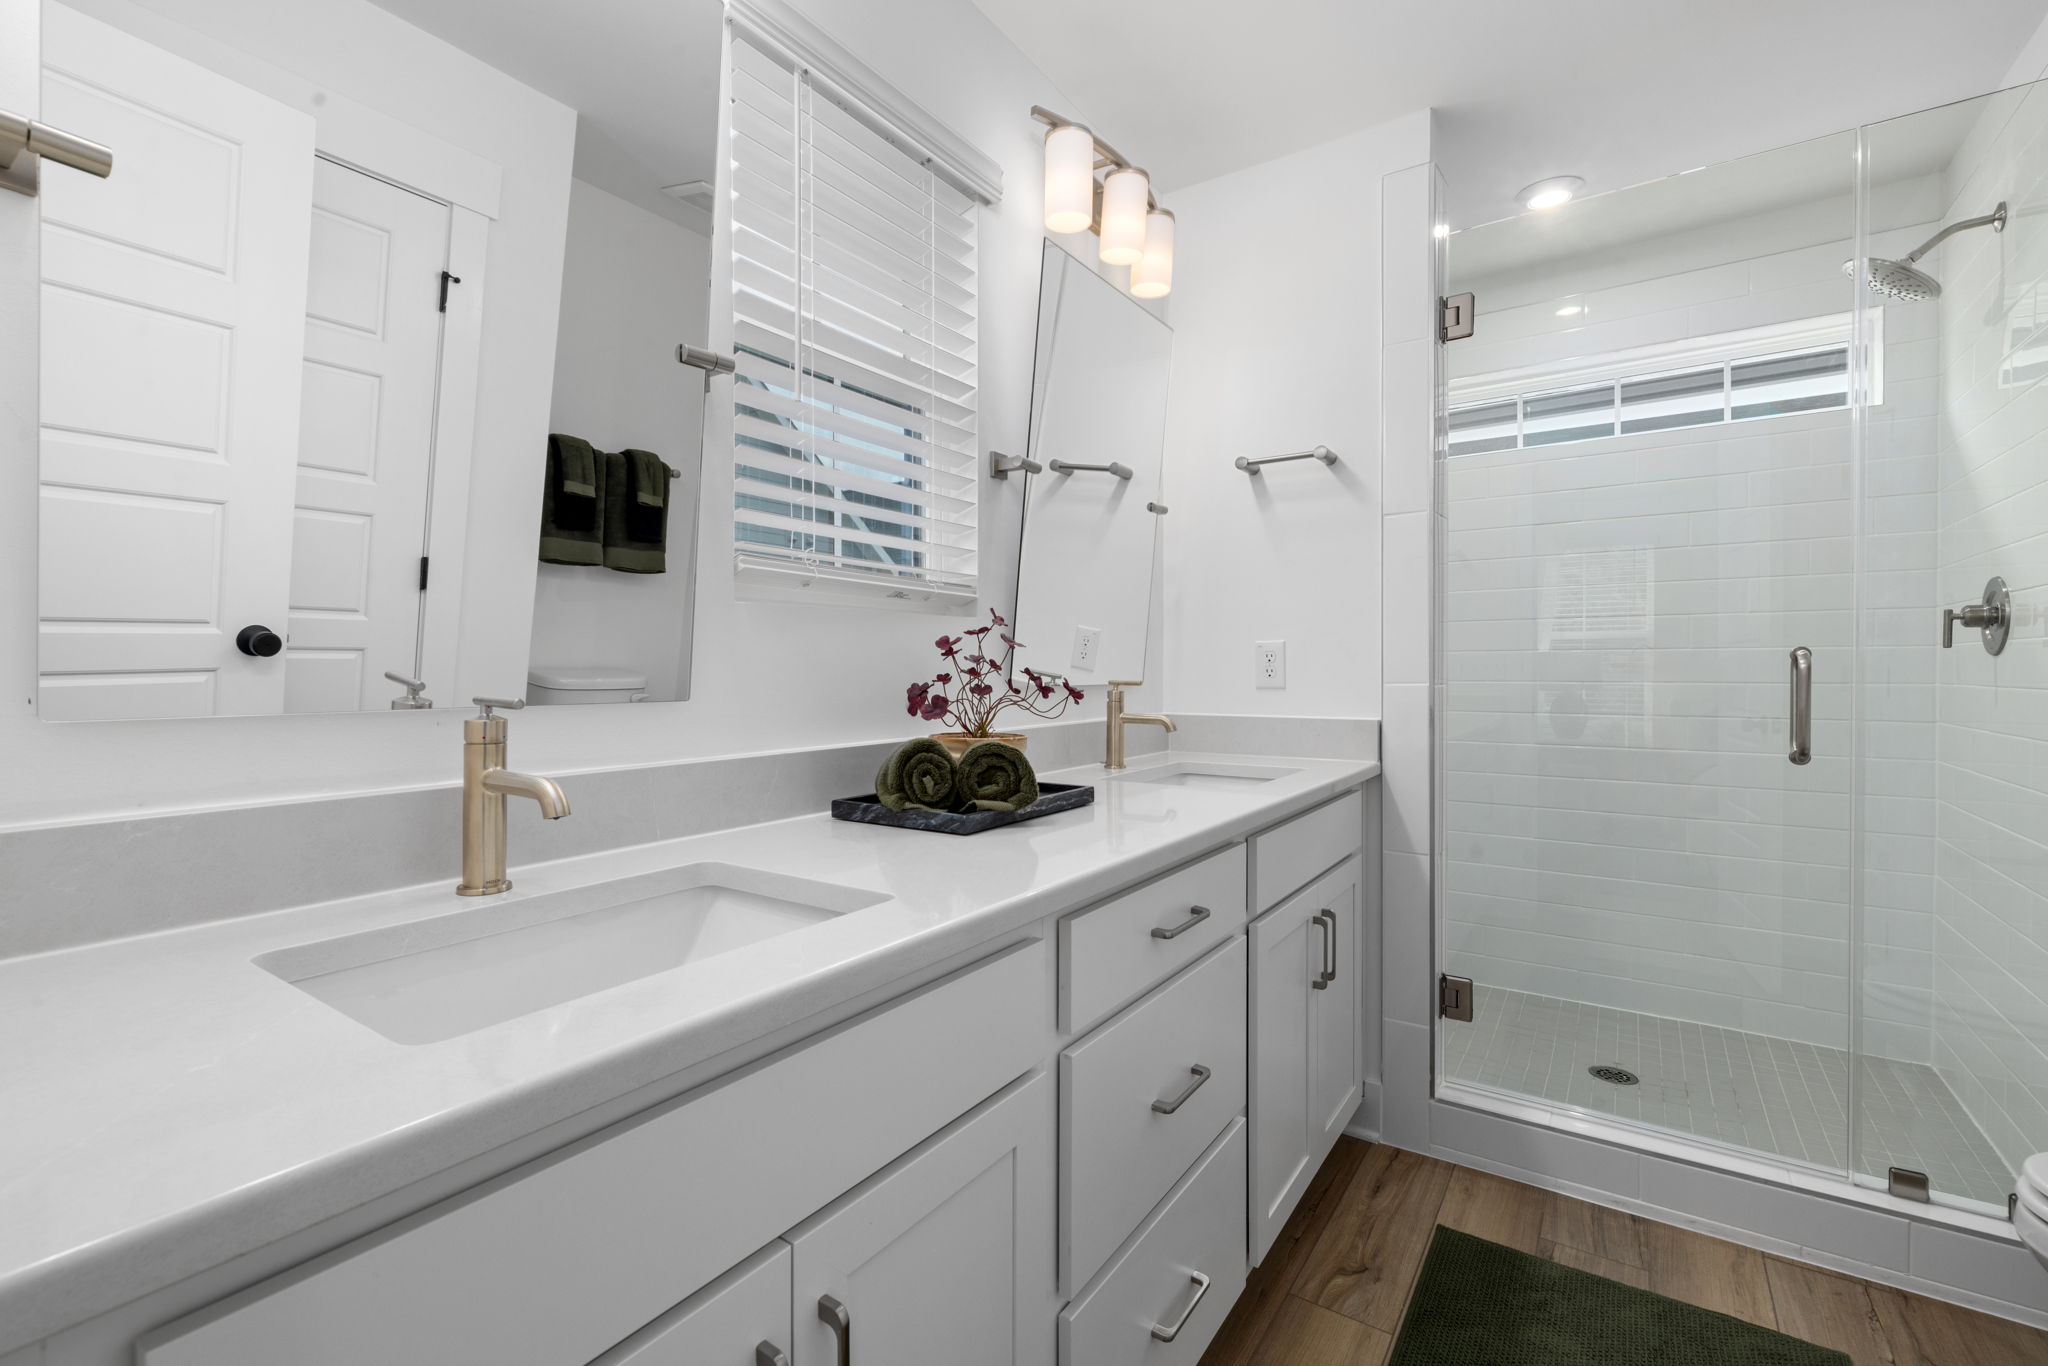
x=947, y=645
x=981, y=690
x=1072, y=691
x=916, y=693
x=935, y=707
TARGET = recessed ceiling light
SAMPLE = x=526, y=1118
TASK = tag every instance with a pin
x=1554, y=193
x=1571, y=310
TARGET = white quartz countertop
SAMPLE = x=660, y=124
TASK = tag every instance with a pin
x=166, y=1104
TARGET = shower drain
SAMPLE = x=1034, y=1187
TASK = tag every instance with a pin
x=1618, y=1076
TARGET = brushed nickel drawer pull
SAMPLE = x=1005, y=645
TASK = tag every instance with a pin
x=1167, y=1107
x=834, y=1316
x=768, y=1354
x=1196, y=915
x=1201, y=1284
x=1328, y=921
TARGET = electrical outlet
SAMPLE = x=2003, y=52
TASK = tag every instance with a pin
x=1269, y=663
x=1087, y=646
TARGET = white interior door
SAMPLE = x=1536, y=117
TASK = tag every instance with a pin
x=366, y=440
x=173, y=303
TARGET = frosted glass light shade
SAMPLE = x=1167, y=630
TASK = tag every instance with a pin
x=1152, y=277
x=1069, y=179
x=1124, y=202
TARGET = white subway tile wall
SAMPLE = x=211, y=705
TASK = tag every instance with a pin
x=1990, y=946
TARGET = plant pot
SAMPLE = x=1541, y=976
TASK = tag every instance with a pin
x=958, y=742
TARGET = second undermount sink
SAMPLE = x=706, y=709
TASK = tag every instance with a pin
x=1223, y=776
x=437, y=979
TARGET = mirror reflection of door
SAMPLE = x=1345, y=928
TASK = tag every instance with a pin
x=173, y=300
x=366, y=431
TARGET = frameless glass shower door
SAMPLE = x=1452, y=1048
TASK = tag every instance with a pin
x=1742, y=695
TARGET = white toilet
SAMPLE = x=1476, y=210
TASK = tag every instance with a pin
x=2030, y=1215
x=581, y=685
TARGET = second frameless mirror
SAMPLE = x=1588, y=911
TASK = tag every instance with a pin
x=1092, y=510
x=363, y=361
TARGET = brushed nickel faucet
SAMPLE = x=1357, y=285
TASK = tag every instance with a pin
x=486, y=782
x=1113, y=755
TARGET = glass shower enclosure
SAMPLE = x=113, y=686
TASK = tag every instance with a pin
x=1731, y=845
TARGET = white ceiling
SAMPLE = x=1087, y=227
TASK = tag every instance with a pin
x=641, y=74
x=1617, y=91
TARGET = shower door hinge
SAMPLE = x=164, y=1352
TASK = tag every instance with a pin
x=1454, y=997
x=1454, y=317
x=1907, y=1184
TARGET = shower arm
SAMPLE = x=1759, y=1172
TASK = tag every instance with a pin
x=1995, y=220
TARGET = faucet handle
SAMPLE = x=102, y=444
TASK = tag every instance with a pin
x=500, y=703
x=1126, y=682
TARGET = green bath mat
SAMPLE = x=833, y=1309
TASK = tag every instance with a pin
x=1481, y=1304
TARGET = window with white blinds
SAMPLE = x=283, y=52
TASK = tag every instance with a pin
x=853, y=270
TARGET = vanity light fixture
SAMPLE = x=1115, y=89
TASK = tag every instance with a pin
x=1120, y=209
x=1553, y=193
x=1069, y=178
x=1152, y=276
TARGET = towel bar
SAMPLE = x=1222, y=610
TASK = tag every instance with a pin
x=1001, y=465
x=1121, y=471
x=1322, y=453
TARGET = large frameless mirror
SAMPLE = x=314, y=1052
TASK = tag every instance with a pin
x=1093, y=505
x=363, y=362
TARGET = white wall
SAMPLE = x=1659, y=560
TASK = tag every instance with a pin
x=756, y=683
x=1277, y=348
x=1621, y=825
x=1991, y=897
x=634, y=284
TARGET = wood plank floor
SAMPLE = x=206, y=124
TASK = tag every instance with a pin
x=1333, y=1289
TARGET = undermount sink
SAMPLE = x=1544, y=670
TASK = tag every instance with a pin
x=436, y=979
x=1225, y=776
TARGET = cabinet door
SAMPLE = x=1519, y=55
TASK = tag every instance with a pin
x=1335, y=1030
x=1304, y=1045
x=945, y=1256
x=740, y=1319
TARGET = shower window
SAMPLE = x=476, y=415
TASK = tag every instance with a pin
x=1731, y=377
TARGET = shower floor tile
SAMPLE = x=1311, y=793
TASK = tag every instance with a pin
x=1776, y=1096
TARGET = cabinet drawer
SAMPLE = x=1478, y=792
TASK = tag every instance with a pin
x=1149, y=1289
x=559, y=1260
x=1114, y=953
x=727, y=1323
x=1286, y=857
x=1124, y=1139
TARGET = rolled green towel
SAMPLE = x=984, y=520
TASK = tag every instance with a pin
x=996, y=777
x=921, y=776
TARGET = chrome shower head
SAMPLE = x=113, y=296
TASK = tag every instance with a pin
x=1904, y=281
x=1897, y=280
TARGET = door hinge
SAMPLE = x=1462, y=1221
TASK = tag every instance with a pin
x=423, y=573
x=1454, y=317
x=448, y=279
x=1454, y=997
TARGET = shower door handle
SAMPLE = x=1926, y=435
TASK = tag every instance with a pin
x=1802, y=706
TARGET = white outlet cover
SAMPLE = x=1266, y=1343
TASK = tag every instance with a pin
x=1269, y=664
x=1087, y=647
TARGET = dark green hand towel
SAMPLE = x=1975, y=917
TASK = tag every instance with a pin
x=920, y=776
x=996, y=777
x=635, y=533
x=572, y=496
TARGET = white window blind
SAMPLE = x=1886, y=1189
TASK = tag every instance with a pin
x=853, y=270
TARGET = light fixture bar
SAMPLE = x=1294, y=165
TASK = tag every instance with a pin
x=1105, y=155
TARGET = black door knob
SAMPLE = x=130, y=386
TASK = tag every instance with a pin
x=259, y=641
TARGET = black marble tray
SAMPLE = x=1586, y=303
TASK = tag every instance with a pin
x=1051, y=797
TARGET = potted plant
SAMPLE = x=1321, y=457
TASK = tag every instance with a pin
x=974, y=687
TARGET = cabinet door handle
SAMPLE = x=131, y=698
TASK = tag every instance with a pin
x=1201, y=1284
x=1328, y=921
x=1196, y=915
x=768, y=1354
x=835, y=1317
x=1167, y=1107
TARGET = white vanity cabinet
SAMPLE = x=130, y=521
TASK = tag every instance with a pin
x=945, y=1257
x=740, y=1319
x=1305, y=1041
